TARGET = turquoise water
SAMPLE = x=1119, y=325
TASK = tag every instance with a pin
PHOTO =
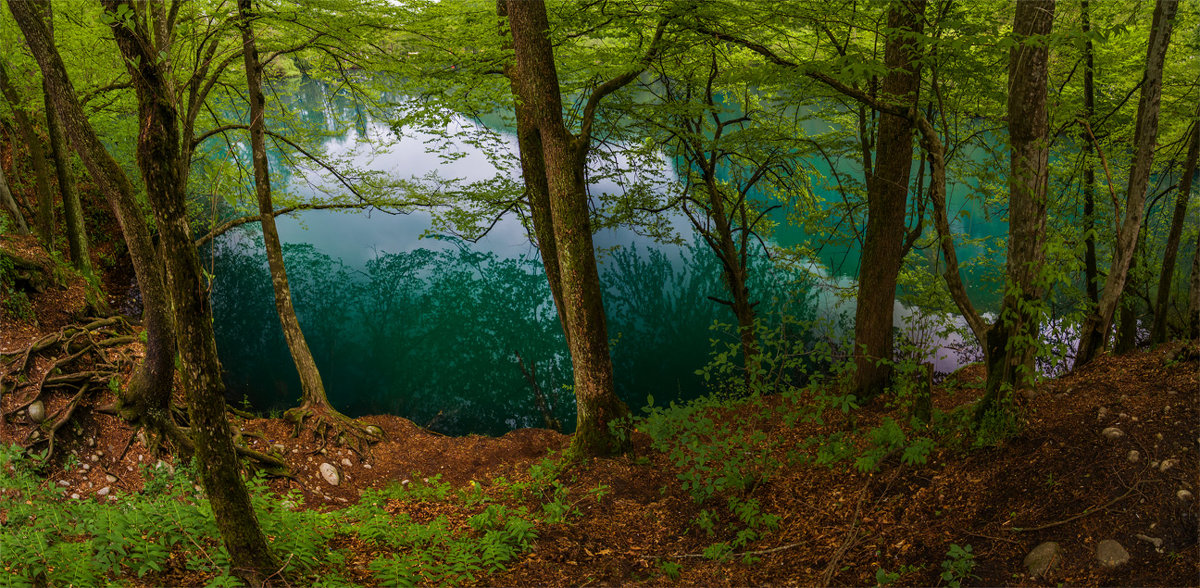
x=450, y=333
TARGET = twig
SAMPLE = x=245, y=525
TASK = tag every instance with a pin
x=1080, y=515
x=851, y=538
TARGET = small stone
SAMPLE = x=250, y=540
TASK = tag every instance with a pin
x=1111, y=554
x=1158, y=436
x=99, y=453
x=1155, y=541
x=1122, y=416
x=330, y=473
x=91, y=442
x=1167, y=464
x=74, y=496
x=374, y=431
x=288, y=505
x=103, y=491
x=278, y=448
x=367, y=466
x=405, y=482
x=1112, y=433
x=37, y=411
x=1102, y=414
x=94, y=458
x=85, y=467
x=1184, y=495
x=63, y=483
x=346, y=462
x=111, y=479
x=1042, y=559
x=1134, y=455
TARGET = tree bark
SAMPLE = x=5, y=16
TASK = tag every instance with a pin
x=44, y=223
x=313, y=388
x=1090, y=276
x=887, y=201
x=165, y=168
x=1011, y=341
x=565, y=156
x=1193, y=314
x=1162, y=304
x=1094, y=331
x=10, y=204
x=147, y=396
x=77, y=238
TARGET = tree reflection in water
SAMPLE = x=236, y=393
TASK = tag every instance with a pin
x=434, y=334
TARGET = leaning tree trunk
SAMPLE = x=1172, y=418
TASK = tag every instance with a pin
x=314, y=404
x=536, y=82
x=887, y=196
x=1162, y=305
x=10, y=205
x=1094, y=331
x=44, y=223
x=164, y=169
x=1011, y=340
x=77, y=238
x=1089, y=168
x=146, y=398
x=733, y=270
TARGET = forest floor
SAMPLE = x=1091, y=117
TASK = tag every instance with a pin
x=1058, y=479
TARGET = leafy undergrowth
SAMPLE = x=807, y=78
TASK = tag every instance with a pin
x=802, y=487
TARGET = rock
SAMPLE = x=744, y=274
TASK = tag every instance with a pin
x=37, y=411
x=374, y=431
x=1101, y=414
x=85, y=467
x=111, y=479
x=1111, y=554
x=1122, y=416
x=100, y=452
x=1167, y=464
x=63, y=483
x=1042, y=559
x=1184, y=495
x=74, y=497
x=367, y=466
x=103, y=491
x=1155, y=541
x=330, y=473
x=288, y=505
x=345, y=462
x=1134, y=455
x=91, y=442
x=278, y=448
x=95, y=458
x=1112, y=433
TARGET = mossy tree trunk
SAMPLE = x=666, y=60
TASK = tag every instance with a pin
x=146, y=398
x=1162, y=304
x=44, y=223
x=1095, y=329
x=77, y=238
x=887, y=199
x=10, y=205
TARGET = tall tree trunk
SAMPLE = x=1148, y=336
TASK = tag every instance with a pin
x=1095, y=327
x=164, y=169
x=10, y=204
x=146, y=398
x=1162, y=305
x=536, y=81
x=887, y=198
x=1092, y=285
x=77, y=238
x=733, y=270
x=44, y=223
x=1192, y=321
x=314, y=397
x=1011, y=340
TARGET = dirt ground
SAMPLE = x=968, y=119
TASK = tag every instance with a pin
x=1060, y=479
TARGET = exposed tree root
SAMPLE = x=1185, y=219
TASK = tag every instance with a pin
x=328, y=424
x=87, y=358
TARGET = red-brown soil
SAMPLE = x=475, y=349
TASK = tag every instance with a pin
x=838, y=526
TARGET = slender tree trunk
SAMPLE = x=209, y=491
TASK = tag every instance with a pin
x=310, y=378
x=1011, y=340
x=1162, y=305
x=164, y=170
x=41, y=175
x=887, y=198
x=1096, y=326
x=10, y=204
x=565, y=156
x=77, y=238
x=1192, y=321
x=1089, y=169
x=734, y=271
x=147, y=396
